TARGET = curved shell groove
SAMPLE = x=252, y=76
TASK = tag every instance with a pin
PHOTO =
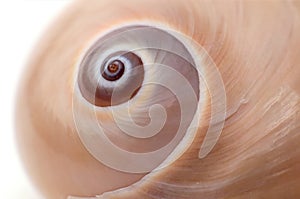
x=210, y=108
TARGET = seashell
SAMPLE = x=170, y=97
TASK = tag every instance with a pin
x=181, y=99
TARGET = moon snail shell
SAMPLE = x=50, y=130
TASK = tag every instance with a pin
x=146, y=104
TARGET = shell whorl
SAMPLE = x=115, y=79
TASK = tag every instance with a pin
x=173, y=91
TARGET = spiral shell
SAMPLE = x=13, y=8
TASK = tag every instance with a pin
x=180, y=99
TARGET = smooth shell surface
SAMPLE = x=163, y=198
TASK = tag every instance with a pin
x=241, y=62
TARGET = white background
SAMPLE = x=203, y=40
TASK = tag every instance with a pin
x=22, y=23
